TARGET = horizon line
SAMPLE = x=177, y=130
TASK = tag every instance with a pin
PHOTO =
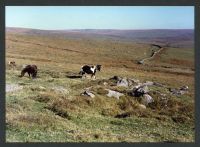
x=101, y=29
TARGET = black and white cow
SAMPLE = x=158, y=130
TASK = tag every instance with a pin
x=91, y=70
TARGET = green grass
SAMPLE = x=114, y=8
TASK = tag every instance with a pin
x=40, y=113
x=35, y=114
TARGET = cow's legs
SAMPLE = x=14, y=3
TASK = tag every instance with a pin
x=83, y=76
x=93, y=76
x=29, y=74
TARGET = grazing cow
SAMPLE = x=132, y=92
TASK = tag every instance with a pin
x=30, y=69
x=12, y=63
x=91, y=70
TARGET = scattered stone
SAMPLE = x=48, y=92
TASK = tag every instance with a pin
x=123, y=82
x=141, y=62
x=172, y=89
x=112, y=93
x=143, y=89
x=141, y=106
x=148, y=83
x=147, y=99
x=180, y=91
x=87, y=93
x=140, y=91
x=184, y=88
x=105, y=83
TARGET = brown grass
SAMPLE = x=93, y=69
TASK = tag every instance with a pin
x=117, y=58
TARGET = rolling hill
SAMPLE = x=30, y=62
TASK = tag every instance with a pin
x=54, y=108
x=175, y=38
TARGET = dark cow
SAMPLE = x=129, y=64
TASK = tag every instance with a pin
x=91, y=70
x=30, y=69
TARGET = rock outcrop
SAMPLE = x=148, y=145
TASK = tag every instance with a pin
x=180, y=91
x=112, y=93
x=88, y=93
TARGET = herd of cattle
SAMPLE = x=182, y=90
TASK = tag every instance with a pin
x=32, y=70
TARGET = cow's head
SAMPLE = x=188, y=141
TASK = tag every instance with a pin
x=98, y=67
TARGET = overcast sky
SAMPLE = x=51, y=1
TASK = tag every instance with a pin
x=100, y=17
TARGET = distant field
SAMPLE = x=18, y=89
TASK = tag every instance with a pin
x=38, y=113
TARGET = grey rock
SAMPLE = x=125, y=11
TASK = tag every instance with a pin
x=123, y=82
x=112, y=93
x=179, y=91
x=141, y=106
x=148, y=83
x=147, y=99
x=139, y=91
x=141, y=62
x=87, y=93
x=105, y=83
x=143, y=89
x=172, y=89
x=184, y=88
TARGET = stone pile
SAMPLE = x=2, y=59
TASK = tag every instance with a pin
x=136, y=89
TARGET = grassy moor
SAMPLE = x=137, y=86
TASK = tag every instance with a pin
x=144, y=91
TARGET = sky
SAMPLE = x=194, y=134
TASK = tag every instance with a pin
x=100, y=17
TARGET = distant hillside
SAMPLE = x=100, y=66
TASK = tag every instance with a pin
x=182, y=38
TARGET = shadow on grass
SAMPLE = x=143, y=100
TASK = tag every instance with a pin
x=73, y=76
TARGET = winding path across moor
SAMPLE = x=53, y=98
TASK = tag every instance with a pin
x=153, y=54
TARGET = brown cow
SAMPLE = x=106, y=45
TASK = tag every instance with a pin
x=30, y=69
